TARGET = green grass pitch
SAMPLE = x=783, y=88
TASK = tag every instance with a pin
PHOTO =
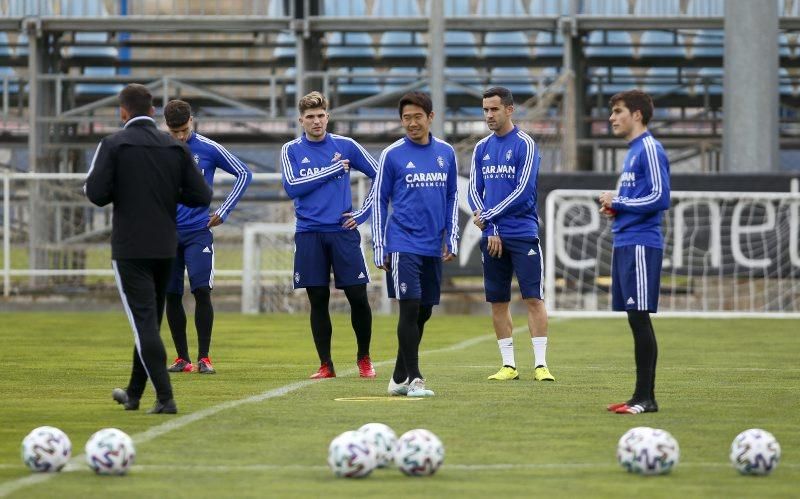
x=502, y=439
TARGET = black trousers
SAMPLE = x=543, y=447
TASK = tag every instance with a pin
x=142, y=285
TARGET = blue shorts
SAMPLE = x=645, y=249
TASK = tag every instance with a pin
x=417, y=277
x=522, y=257
x=316, y=252
x=195, y=254
x=635, y=278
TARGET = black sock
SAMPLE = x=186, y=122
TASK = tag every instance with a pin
x=176, y=318
x=321, y=328
x=360, y=316
x=408, y=336
x=645, y=353
x=203, y=320
x=425, y=312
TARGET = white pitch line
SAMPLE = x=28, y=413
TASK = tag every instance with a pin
x=181, y=421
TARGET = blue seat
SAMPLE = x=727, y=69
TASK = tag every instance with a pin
x=506, y=44
x=24, y=8
x=710, y=80
x=549, y=8
x=286, y=48
x=705, y=8
x=518, y=80
x=549, y=44
x=501, y=8
x=399, y=77
x=352, y=84
x=609, y=44
x=606, y=7
x=460, y=44
x=349, y=44
x=609, y=81
x=658, y=8
x=344, y=8
x=453, y=8
x=661, y=44
x=661, y=81
x=392, y=8
x=402, y=44
x=706, y=43
x=464, y=76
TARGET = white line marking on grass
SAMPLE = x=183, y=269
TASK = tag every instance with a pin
x=10, y=486
x=249, y=468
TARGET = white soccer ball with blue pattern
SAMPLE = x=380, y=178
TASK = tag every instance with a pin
x=110, y=452
x=418, y=453
x=648, y=451
x=755, y=452
x=350, y=455
x=383, y=440
x=46, y=449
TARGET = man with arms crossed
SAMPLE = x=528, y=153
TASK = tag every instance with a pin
x=418, y=175
x=637, y=210
x=502, y=195
x=145, y=173
x=316, y=175
x=195, y=240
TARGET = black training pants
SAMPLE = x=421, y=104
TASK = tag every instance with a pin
x=142, y=284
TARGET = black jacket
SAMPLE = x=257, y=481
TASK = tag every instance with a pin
x=145, y=173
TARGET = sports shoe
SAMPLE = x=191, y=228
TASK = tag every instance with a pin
x=365, y=369
x=542, y=373
x=614, y=407
x=121, y=396
x=417, y=389
x=167, y=407
x=324, y=371
x=204, y=366
x=505, y=373
x=181, y=366
x=638, y=407
x=398, y=389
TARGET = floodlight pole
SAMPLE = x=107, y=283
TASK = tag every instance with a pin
x=436, y=63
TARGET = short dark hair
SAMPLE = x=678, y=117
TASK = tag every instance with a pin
x=505, y=95
x=177, y=113
x=635, y=100
x=136, y=99
x=416, y=98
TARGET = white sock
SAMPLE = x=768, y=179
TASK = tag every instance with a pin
x=506, y=346
x=540, y=351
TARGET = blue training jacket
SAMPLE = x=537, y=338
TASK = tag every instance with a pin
x=314, y=177
x=421, y=183
x=502, y=184
x=208, y=156
x=643, y=194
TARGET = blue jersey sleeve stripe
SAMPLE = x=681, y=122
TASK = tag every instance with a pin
x=378, y=224
x=655, y=177
x=454, y=214
x=367, y=156
x=242, y=174
x=289, y=174
x=526, y=173
x=473, y=180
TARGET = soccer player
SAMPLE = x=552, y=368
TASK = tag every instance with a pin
x=316, y=175
x=502, y=195
x=195, y=250
x=637, y=210
x=418, y=175
x=145, y=174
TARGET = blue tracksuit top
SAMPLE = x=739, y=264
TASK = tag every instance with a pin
x=643, y=194
x=314, y=177
x=208, y=156
x=421, y=183
x=502, y=184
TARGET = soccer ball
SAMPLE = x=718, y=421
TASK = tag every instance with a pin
x=419, y=453
x=350, y=455
x=110, y=452
x=648, y=451
x=46, y=448
x=383, y=440
x=755, y=452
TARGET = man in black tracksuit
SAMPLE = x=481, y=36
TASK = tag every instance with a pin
x=145, y=173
